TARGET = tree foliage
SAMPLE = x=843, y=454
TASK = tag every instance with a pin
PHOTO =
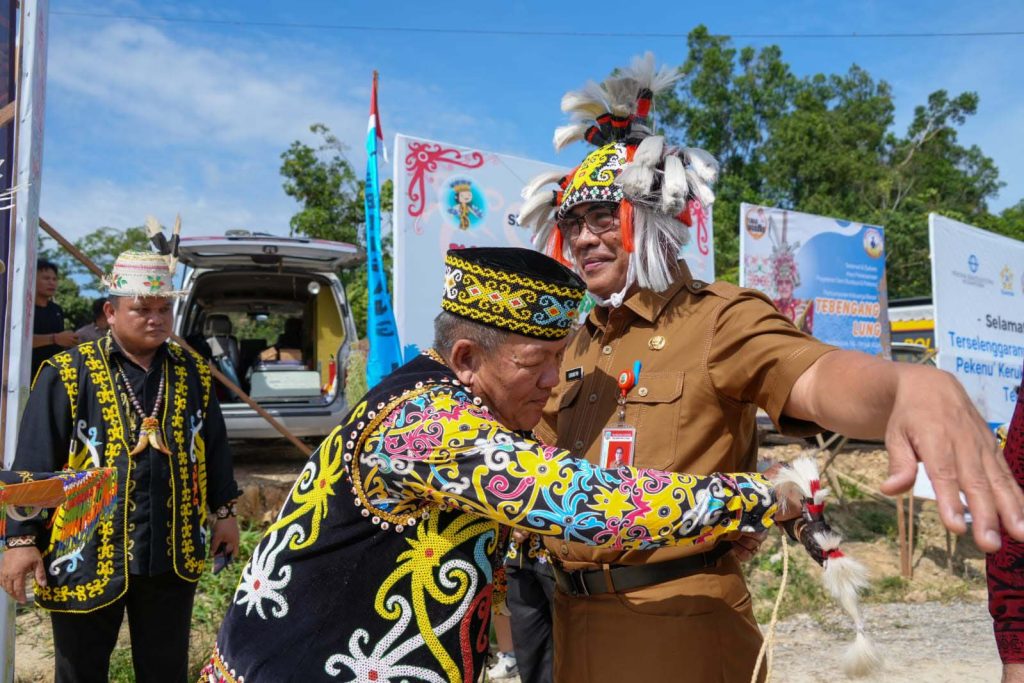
x=825, y=144
x=78, y=286
x=330, y=197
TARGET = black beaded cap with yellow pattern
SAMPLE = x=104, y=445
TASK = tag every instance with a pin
x=519, y=290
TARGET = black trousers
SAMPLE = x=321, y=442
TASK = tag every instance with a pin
x=530, y=590
x=159, y=619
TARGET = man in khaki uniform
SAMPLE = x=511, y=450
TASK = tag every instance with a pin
x=711, y=354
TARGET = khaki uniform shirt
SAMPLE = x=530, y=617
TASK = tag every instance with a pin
x=711, y=354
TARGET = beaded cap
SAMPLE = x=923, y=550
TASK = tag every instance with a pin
x=141, y=273
x=518, y=290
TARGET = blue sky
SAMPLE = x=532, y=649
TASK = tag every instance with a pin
x=165, y=117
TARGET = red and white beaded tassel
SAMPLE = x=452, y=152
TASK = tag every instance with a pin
x=843, y=577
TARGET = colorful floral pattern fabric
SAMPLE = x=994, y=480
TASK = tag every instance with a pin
x=380, y=565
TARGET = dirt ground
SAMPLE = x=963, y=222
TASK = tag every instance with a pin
x=934, y=627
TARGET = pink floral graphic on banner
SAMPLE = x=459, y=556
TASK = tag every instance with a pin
x=424, y=158
x=700, y=217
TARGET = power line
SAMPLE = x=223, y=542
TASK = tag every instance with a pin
x=528, y=33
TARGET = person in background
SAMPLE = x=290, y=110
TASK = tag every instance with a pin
x=1005, y=568
x=531, y=586
x=504, y=667
x=96, y=329
x=48, y=333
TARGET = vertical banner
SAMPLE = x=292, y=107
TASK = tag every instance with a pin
x=978, y=290
x=381, y=332
x=21, y=255
x=827, y=275
x=8, y=25
x=447, y=196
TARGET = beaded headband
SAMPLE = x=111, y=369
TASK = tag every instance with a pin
x=518, y=290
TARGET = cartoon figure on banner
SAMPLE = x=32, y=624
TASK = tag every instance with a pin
x=465, y=204
x=786, y=277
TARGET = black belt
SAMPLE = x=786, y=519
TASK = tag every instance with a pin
x=627, y=577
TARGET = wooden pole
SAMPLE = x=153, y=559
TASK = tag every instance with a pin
x=949, y=552
x=901, y=532
x=8, y=112
x=910, y=536
x=220, y=376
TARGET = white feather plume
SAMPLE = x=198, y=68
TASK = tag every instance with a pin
x=620, y=93
x=568, y=134
x=589, y=101
x=642, y=70
x=800, y=473
x=537, y=210
x=700, y=189
x=703, y=164
x=861, y=658
x=674, y=188
x=540, y=181
x=649, y=151
x=637, y=177
x=656, y=234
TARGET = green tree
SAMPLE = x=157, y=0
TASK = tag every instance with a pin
x=78, y=285
x=330, y=196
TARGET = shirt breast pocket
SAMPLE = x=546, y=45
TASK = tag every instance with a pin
x=653, y=408
x=566, y=413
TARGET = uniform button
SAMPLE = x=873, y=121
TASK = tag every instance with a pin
x=642, y=391
x=607, y=350
x=592, y=398
x=578, y=445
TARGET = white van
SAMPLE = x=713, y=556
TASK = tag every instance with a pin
x=272, y=313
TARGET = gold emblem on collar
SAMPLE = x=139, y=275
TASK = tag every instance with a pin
x=656, y=343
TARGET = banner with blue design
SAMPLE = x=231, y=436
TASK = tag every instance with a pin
x=825, y=274
x=978, y=291
x=381, y=330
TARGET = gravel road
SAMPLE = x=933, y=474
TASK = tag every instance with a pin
x=934, y=642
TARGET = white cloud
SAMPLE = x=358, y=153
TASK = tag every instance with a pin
x=143, y=120
x=179, y=91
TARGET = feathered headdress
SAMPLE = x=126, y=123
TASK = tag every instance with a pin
x=660, y=188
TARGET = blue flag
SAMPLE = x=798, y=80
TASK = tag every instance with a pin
x=381, y=330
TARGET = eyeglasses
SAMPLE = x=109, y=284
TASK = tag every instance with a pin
x=600, y=219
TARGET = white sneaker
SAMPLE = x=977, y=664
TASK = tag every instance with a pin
x=504, y=667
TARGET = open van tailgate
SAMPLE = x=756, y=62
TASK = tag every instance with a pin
x=288, y=252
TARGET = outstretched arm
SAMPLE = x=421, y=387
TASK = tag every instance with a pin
x=442, y=447
x=923, y=414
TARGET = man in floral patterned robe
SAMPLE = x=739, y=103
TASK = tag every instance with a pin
x=381, y=563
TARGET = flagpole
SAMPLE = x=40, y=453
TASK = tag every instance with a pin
x=381, y=329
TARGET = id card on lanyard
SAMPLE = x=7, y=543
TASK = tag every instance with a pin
x=618, y=443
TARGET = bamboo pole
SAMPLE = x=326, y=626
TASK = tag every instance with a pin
x=8, y=112
x=220, y=376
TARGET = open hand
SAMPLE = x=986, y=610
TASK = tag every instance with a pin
x=934, y=421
